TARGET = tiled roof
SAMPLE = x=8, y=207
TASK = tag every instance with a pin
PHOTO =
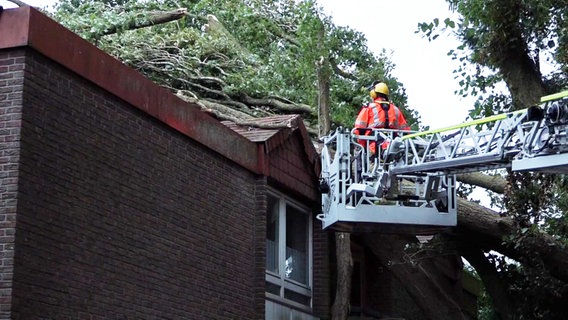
x=262, y=129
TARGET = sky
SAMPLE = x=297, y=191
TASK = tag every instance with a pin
x=423, y=67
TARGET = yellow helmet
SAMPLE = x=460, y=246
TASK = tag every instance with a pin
x=378, y=87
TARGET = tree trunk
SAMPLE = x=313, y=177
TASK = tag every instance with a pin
x=486, y=228
x=493, y=284
x=324, y=74
x=511, y=56
x=340, y=308
x=324, y=125
x=494, y=183
x=433, y=283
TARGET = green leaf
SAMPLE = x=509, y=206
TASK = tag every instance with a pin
x=449, y=23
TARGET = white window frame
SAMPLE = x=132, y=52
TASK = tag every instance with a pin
x=278, y=278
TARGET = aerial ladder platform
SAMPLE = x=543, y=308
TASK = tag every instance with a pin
x=410, y=186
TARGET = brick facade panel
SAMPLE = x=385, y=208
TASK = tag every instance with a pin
x=322, y=271
x=11, y=90
x=290, y=165
x=121, y=217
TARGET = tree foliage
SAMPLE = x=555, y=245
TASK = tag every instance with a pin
x=245, y=59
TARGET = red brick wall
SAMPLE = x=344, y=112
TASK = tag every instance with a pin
x=121, y=217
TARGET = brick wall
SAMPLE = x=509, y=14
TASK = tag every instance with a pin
x=260, y=244
x=322, y=247
x=121, y=217
x=11, y=87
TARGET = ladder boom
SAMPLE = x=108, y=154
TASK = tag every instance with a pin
x=461, y=148
x=411, y=185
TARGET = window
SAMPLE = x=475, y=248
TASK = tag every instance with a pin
x=288, y=251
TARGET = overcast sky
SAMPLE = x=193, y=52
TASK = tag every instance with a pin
x=423, y=67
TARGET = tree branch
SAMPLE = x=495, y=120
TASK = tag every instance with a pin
x=494, y=183
x=340, y=71
x=19, y=3
x=486, y=228
x=493, y=284
x=153, y=18
x=212, y=107
x=276, y=103
x=223, y=112
x=206, y=90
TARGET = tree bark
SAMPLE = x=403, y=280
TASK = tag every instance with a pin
x=154, y=18
x=340, y=308
x=486, y=228
x=494, y=183
x=324, y=124
x=493, y=284
x=434, y=292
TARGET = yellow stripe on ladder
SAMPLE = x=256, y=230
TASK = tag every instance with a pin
x=485, y=120
x=496, y=117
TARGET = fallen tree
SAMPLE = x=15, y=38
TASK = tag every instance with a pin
x=489, y=229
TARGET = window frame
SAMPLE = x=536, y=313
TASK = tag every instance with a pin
x=279, y=278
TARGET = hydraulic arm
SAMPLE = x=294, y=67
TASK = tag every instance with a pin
x=411, y=184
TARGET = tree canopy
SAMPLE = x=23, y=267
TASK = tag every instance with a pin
x=239, y=59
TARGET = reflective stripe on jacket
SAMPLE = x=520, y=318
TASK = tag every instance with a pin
x=374, y=116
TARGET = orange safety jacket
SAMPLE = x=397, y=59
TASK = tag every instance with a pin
x=379, y=114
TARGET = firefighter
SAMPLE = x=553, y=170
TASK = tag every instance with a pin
x=379, y=114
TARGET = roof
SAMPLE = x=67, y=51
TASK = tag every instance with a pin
x=262, y=129
x=275, y=130
x=272, y=132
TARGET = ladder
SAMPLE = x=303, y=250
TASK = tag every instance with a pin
x=411, y=186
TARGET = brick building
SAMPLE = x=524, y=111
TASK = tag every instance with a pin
x=121, y=201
